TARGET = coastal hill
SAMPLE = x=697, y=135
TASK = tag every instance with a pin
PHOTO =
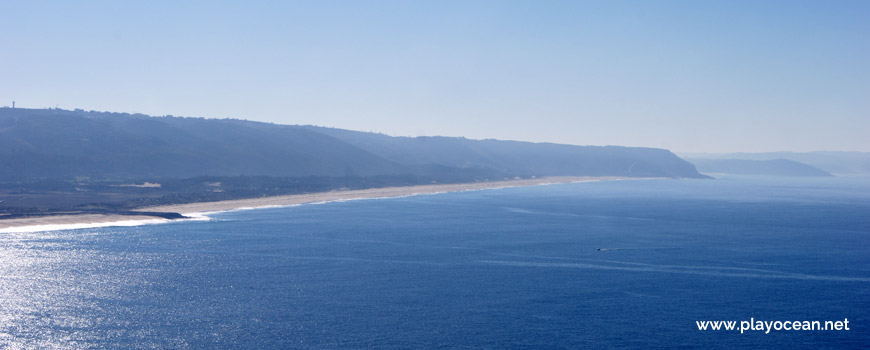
x=60, y=161
x=520, y=158
x=836, y=163
x=62, y=144
x=773, y=167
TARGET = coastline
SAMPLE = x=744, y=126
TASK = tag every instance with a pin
x=197, y=209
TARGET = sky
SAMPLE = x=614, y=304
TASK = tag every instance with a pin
x=689, y=76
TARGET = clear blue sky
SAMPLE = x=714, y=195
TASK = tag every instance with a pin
x=690, y=76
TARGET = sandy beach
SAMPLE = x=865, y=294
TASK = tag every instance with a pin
x=91, y=220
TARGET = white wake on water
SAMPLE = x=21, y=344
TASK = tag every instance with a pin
x=689, y=270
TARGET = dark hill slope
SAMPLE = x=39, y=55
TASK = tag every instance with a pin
x=60, y=144
x=63, y=144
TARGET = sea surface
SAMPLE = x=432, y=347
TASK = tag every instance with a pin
x=616, y=264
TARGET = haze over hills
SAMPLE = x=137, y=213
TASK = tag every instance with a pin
x=837, y=163
x=519, y=158
x=774, y=167
x=61, y=144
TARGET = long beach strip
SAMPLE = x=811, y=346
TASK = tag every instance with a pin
x=56, y=222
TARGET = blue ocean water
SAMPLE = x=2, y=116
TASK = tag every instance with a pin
x=619, y=264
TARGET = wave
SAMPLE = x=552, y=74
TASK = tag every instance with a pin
x=83, y=225
x=212, y=212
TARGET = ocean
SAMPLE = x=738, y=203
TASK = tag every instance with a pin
x=611, y=264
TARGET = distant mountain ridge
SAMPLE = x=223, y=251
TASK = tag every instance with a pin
x=62, y=144
x=837, y=163
x=774, y=167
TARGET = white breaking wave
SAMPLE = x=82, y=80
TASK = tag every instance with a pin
x=122, y=223
x=207, y=213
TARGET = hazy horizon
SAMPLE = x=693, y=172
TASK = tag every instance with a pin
x=689, y=77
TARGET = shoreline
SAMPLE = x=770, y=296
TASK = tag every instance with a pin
x=198, y=209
